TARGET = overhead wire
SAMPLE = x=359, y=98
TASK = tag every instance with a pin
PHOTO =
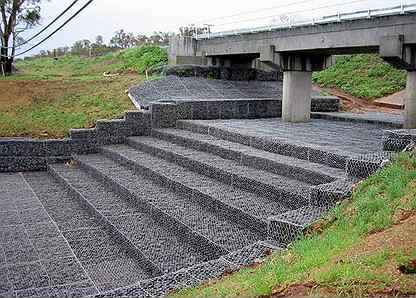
x=57, y=30
x=46, y=27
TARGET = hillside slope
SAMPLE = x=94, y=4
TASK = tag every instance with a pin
x=363, y=76
x=50, y=96
x=365, y=247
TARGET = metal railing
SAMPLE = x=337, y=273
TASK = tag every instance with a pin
x=331, y=18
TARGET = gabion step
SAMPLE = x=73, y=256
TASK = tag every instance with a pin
x=211, y=230
x=124, y=217
x=167, y=242
x=161, y=286
x=288, y=166
x=316, y=154
x=248, y=209
x=105, y=258
x=290, y=192
x=287, y=227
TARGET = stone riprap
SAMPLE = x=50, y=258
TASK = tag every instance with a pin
x=197, y=91
x=150, y=203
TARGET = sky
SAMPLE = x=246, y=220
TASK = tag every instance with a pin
x=104, y=17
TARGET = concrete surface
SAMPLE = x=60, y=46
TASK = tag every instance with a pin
x=297, y=88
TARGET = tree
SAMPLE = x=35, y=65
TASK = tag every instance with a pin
x=124, y=40
x=99, y=40
x=15, y=14
x=81, y=47
x=161, y=37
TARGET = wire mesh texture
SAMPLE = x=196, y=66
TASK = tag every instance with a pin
x=179, y=207
x=186, y=203
x=175, y=88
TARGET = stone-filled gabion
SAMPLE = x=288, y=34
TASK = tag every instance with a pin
x=27, y=154
x=32, y=155
x=398, y=140
x=152, y=203
x=363, y=166
x=196, y=91
x=222, y=73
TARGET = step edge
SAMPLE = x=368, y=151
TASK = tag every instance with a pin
x=132, y=164
x=159, y=133
x=101, y=217
x=228, y=267
x=281, y=190
x=215, y=248
x=247, y=140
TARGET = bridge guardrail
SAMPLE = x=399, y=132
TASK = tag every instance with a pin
x=332, y=18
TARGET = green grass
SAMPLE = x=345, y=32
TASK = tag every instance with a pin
x=143, y=58
x=364, y=76
x=69, y=67
x=371, y=209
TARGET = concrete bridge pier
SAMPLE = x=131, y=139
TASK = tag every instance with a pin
x=410, y=104
x=297, y=84
x=297, y=88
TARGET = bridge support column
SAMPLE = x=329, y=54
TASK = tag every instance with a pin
x=297, y=83
x=410, y=104
x=297, y=88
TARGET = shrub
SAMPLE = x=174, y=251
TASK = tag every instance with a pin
x=143, y=57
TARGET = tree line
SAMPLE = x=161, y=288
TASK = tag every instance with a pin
x=97, y=47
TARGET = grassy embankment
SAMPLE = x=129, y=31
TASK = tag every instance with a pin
x=363, y=76
x=364, y=247
x=48, y=97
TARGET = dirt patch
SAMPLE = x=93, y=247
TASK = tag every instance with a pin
x=355, y=104
x=17, y=93
x=294, y=290
x=395, y=101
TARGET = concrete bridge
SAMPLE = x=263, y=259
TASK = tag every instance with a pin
x=300, y=50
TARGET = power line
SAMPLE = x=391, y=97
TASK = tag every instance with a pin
x=46, y=28
x=59, y=28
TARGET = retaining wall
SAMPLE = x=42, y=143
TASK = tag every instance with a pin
x=224, y=73
x=18, y=155
x=31, y=155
